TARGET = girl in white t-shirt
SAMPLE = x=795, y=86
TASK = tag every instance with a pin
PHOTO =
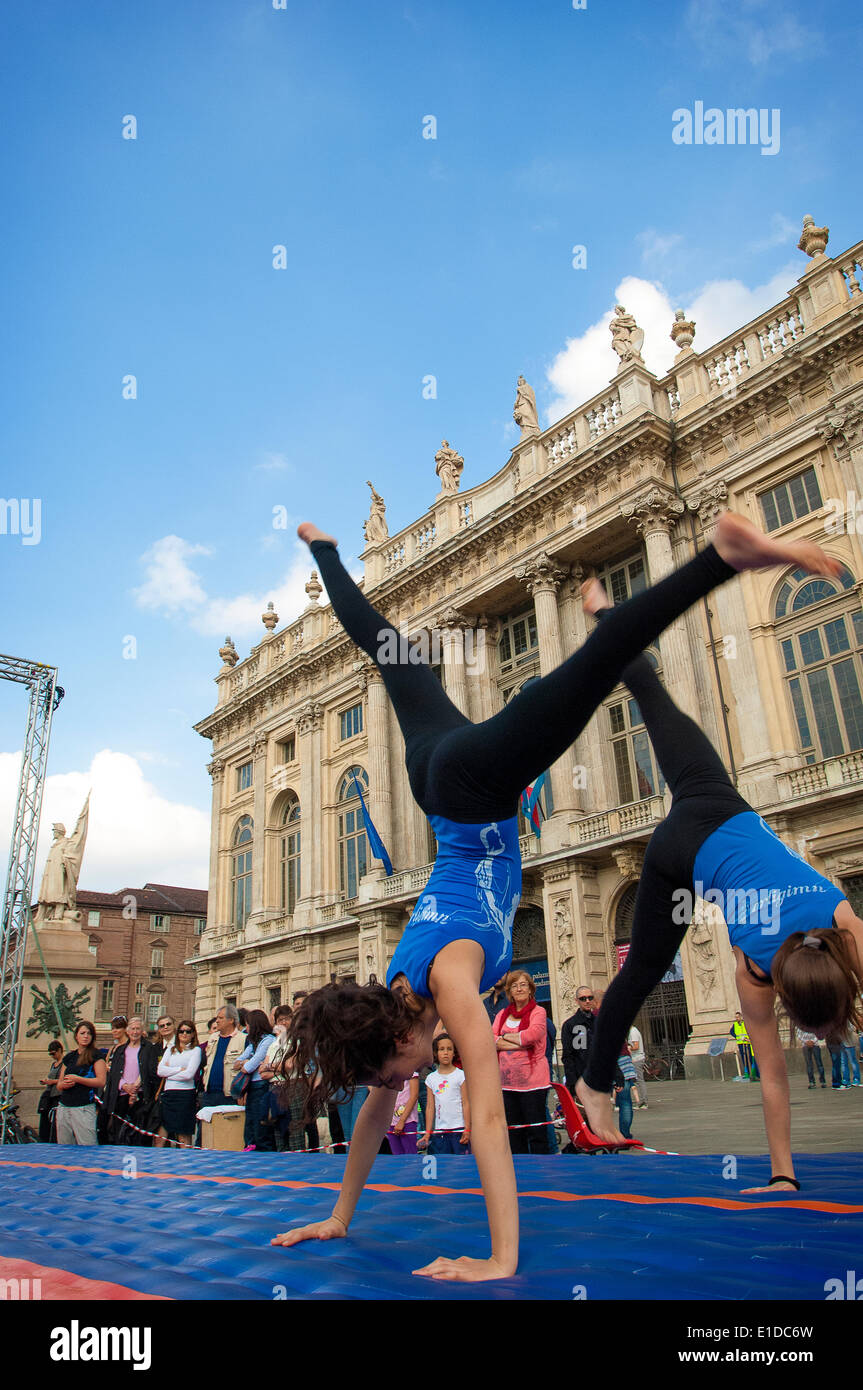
x=447, y=1105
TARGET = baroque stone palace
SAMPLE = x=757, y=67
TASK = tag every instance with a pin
x=768, y=423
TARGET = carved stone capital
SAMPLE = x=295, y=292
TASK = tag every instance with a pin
x=709, y=501
x=216, y=769
x=258, y=744
x=656, y=510
x=541, y=574
x=309, y=717
x=629, y=859
x=843, y=429
x=452, y=619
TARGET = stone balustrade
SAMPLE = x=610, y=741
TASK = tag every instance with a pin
x=815, y=778
x=621, y=820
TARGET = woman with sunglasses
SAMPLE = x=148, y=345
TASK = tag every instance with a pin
x=468, y=778
x=178, y=1069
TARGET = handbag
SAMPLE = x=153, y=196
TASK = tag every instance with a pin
x=240, y=1085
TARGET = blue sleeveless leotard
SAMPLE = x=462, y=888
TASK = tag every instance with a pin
x=764, y=889
x=472, y=895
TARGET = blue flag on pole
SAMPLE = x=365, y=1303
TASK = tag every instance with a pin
x=376, y=843
x=530, y=806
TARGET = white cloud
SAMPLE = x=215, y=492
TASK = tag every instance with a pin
x=171, y=583
x=655, y=246
x=588, y=364
x=135, y=835
x=274, y=463
x=752, y=30
x=237, y=616
x=782, y=231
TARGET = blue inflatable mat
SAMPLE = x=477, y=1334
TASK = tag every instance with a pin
x=198, y=1225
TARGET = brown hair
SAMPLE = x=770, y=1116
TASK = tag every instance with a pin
x=186, y=1023
x=819, y=986
x=257, y=1025
x=90, y=1053
x=341, y=1035
x=517, y=975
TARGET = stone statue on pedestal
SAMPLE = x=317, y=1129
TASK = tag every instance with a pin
x=524, y=410
x=448, y=466
x=376, y=528
x=57, y=896
x=626, y=337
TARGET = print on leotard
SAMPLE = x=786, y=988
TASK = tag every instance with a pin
x=497, y=895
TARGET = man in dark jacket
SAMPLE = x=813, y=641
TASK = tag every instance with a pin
x=575, y=1035
x=131, y=1087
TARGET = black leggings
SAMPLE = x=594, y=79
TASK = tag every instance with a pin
x=703, y=798
x=476, y=772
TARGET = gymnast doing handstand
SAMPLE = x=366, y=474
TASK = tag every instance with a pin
x=794, y=935
x=467, y=778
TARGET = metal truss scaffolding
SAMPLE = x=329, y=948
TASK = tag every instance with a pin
x=45, y=696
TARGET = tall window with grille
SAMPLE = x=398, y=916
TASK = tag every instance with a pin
x=157, y=961
x=106, y=997
x=635, y=766
x=241, y=878
x=519, y=645
x=819, y=627
x=155, y=1008
x=352, y=840
x=791, y=499
x=351, y=721
x=244, y=777
x=290, y=856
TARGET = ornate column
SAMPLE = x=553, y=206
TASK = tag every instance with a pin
x=258, y=749
x=308, y=719
x=654, y=515
x=543, y=576
x=380, y=787
x=758, y=767
x=843, y=431
x=488, y=698
x=593, y=787
x=215, y=908
x=452, y=625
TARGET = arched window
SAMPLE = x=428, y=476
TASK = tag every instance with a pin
x=241, y=878
x=546, y=800
x=635, y=766
x=290, y=856
x=819, y=627
x=353, y=845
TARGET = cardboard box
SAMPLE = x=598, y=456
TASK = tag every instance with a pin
x=224, y=1131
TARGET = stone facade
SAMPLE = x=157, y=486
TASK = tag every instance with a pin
x=768, y=423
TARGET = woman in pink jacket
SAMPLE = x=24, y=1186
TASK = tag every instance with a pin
x=520, y=1034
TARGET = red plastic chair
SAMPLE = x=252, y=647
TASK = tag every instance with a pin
x=579, y=1134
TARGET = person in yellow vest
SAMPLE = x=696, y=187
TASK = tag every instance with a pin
x=744, y=1047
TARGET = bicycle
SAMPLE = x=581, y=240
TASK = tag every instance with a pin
x=16, y=1131
x=656, y=1068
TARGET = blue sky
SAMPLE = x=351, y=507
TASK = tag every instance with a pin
x=259, y=387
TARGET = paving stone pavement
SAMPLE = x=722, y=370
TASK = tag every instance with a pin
x=708, y=1117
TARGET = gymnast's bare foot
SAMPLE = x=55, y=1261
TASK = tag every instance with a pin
x=600, y=1113
x=594, y=596
x=308, y=532
x=744, y=547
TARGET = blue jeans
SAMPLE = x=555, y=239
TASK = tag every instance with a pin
x=836, y=1062
x=812, y=1053
x=350, y=1109
x=448, y=1143
x=624, y=1100
x=257, y=1103
x=849, y=1064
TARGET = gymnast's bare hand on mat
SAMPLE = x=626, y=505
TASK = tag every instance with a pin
x=466, y=1270
x=776, y=1187
x=599, y=1111
x=331, y=1229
